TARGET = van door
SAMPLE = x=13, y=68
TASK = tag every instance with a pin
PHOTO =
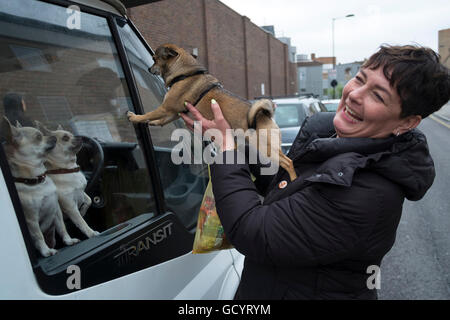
x=85, y=78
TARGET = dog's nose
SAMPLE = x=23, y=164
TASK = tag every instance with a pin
x=154, y=70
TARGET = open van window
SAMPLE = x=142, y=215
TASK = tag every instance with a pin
x=85, y=79
x=183, y=184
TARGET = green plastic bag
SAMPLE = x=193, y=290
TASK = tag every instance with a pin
x=209, y=235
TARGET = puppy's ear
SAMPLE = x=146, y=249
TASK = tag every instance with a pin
x=18, y=125
x=168, y=53
x=38, y=124
x=8, y=131
x=41, y=127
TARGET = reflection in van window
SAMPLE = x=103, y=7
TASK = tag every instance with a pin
x=73, y=78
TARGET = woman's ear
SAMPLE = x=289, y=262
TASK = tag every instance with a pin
x=408, y=124
x=24, y=105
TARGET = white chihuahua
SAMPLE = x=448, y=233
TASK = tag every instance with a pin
x=62, y=168
x=26, y=148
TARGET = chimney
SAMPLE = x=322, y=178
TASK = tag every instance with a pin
x=313, y=56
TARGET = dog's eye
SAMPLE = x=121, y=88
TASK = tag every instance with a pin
x=65, y=138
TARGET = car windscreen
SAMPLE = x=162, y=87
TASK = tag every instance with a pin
x=289, y=115
x=331, y=106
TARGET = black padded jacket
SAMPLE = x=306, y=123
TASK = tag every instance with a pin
x=318, y=237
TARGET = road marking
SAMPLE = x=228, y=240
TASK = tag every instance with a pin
x=440, y=121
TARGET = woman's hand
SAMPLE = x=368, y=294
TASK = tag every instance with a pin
x=224, y=137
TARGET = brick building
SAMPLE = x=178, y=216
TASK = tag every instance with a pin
x=323, y=60
x=310, y=77
x=248, y=60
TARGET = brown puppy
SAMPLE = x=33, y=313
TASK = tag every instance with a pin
x=188, y=81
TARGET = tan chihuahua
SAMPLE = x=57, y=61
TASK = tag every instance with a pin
x=188, y=81
x=62, y=168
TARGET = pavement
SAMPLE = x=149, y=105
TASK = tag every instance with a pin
x=444, y=112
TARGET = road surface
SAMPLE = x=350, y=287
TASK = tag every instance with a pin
x=418, y=266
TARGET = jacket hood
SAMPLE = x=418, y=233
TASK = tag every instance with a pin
x=409, y=164
x=405, y=160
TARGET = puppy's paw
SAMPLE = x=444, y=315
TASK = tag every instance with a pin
x=132, y=117
x=70, y=241
x=129, y=114
x=92, y=233
x=47, y=252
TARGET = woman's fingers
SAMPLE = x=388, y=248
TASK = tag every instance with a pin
x=217, y=111
x=219, y=122
x=198, y=117
x=189, y=122
x=193, y=110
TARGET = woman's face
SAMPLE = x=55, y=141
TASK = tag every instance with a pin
x=369, y=107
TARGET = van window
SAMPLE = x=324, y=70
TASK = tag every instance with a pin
x=74, y=78
x=183, y=184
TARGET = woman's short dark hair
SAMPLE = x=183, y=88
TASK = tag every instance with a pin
x=422, y=83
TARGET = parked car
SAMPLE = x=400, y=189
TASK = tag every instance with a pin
x=331, y=105
x=84, y=67
x=290, y=114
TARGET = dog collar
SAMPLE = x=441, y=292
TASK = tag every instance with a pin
x=185, y=76
x=31, y=181
x=200, y=97
x=212, y=86
x=63, y=171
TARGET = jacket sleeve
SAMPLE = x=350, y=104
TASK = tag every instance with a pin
x=262, y=181
x=319, y=224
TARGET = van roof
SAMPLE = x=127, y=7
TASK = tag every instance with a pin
x=114, y=6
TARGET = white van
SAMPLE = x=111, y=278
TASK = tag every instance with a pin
x=82, y=64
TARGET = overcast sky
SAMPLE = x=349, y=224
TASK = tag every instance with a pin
x=308, y=23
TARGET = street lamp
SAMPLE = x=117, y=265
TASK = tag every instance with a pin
x=332, y=30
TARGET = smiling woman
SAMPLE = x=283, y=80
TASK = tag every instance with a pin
x=322, y=235
x=370, y=108
x=393, y=91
